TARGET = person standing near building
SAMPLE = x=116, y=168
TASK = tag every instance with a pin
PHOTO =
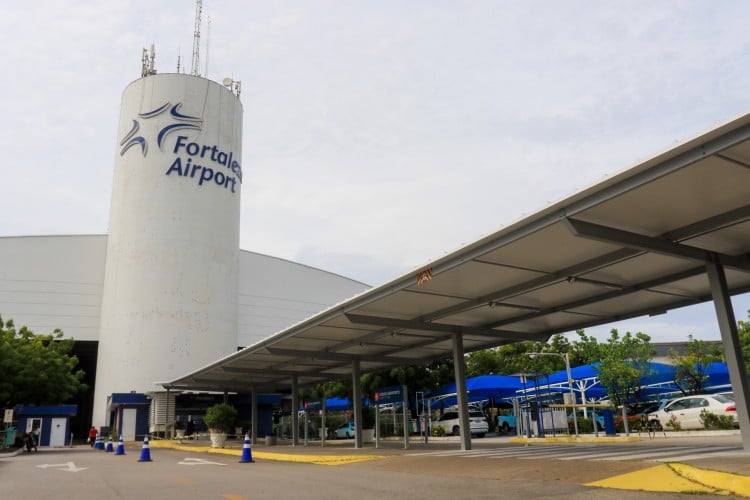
x=92, y=436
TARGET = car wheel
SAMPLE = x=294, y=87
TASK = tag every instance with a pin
x=480, y=435
x=456, y=431
x=506, y=427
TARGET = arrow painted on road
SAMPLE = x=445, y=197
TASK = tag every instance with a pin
x=198, y=461
x=69, y=467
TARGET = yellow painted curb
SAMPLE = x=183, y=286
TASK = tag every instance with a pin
x=284, y=457
x=658, y=478
x=722, y=481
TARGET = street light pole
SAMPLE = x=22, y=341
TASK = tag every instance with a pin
x=572, y=395
x=570, y=381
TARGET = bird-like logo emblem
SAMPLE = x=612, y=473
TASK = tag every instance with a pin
x=182, y=121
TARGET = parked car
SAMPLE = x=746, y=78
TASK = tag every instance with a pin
x=477, y=422
x=686, y=410
x=344, y=431
x=506, y=423
x=637, y=411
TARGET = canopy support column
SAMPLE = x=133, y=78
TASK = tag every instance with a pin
x=460, y=374
x=295, y=412
x=732, y=347
x=253, y=415
x=357, y=404
x=168, y=423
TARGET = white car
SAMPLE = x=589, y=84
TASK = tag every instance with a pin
x=686, y=411
x=477, y=422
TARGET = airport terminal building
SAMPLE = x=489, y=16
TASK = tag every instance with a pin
x=168, y=289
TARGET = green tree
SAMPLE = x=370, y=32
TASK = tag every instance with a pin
x=36, y=369
x=585, y=350
x=743, y=329
x=690, y=374
x=510, y=359
x=623, y=362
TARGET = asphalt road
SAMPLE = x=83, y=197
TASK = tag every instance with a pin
x=83, y=473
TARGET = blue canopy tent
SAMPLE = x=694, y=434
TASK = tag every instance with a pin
x=334, y=404
x=585, y=383
x=659, y=379
x=718, y=378
x=479, y=388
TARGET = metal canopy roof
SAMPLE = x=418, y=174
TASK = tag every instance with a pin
x=633, y=245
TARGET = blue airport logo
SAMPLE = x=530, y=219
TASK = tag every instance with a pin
x=187, y=153
x=183, y=122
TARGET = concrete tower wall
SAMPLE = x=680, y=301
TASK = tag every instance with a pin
x=169, y=300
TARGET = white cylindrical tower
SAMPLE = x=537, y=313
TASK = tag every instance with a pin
x=169, y=302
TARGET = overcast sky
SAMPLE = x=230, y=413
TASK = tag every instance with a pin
x=378, y=136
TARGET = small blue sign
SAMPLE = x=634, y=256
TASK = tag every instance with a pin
x=314, y=405
x=387, y=395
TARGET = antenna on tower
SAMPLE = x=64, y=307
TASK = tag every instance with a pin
x=195, y=69
x=208, y=41
x=179, y=56
x=147, y=62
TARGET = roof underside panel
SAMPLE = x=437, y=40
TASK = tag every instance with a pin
x=635, y=244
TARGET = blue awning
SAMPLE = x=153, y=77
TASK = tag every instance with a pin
x=51, y=411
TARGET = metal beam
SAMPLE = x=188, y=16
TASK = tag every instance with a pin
x=623, y=290
x=709, y=224
x=439, y=327
x=270, y=372
x=328, y=355
x=735, y=161
x=685, y=232
x=533, y=284
x=657, y=245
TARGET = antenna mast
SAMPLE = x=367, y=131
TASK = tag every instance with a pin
x=147, y=62
x=208, y=42
x=195, y=70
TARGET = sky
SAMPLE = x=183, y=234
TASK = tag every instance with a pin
x=378, y=136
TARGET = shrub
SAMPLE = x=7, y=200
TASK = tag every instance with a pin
x=674, y=424
x=714, y=421
x=585, y=426
x=437, y=431
x=221, y=417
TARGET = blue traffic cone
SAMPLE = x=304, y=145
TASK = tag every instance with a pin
x=247, y=453
x=120, y=447
x=99, y=444
x=110, y=447
x=145, y=451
